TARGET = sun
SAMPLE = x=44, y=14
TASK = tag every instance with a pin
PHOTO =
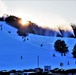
x=24, y=18
x=23, y=21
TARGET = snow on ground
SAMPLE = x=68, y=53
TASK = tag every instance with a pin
x=12, y=47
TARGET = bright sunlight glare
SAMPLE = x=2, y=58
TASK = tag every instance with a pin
x=23, y=21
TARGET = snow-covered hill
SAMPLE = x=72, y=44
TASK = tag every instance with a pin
x=12, y=47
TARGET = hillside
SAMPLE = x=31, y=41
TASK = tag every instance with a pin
x=13, y=46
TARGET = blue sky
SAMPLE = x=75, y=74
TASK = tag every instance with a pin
x=44, y=12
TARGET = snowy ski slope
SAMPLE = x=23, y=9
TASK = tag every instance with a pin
x=12, y=47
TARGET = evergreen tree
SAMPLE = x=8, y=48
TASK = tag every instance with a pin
x=60, y=46
x=74, y=51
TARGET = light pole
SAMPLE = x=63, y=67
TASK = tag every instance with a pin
x=38, y=61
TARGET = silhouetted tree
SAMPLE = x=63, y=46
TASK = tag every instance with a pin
x=74, y=51
x=22, y=34
x=60, y=46
x=1, y=18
